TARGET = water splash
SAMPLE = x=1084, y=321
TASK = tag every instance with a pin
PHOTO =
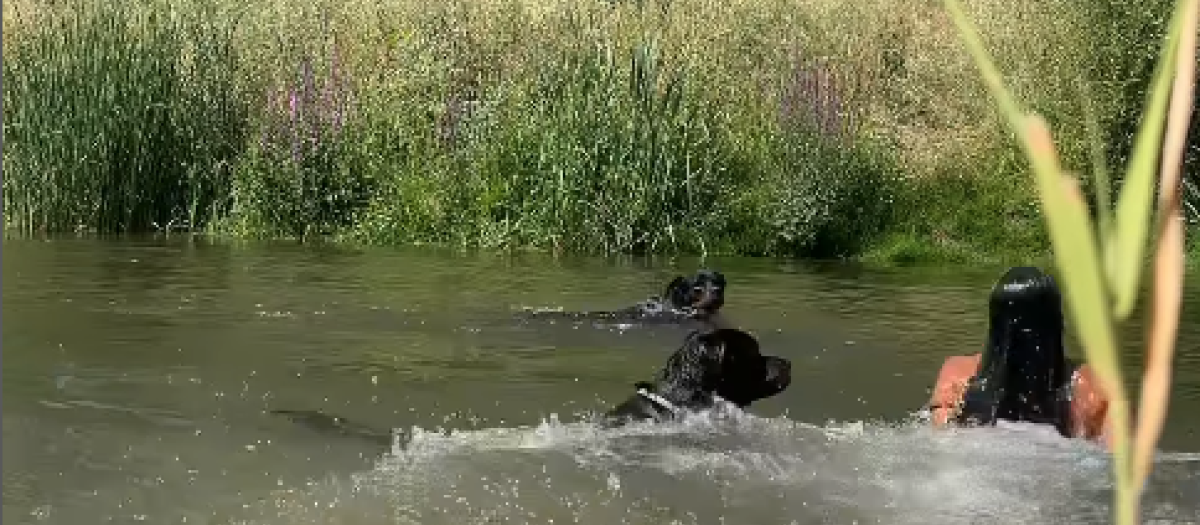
x=731, y=467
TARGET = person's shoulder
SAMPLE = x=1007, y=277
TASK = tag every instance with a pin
x=955, y=372
x=960, y=365
x=1089, y=403
x=951, y=382
x=1087, y=388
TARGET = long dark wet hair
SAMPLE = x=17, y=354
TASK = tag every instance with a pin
x=1024, y=374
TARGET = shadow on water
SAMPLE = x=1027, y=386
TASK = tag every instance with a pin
x=137, y=374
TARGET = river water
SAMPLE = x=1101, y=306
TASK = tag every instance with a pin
x=137, y=375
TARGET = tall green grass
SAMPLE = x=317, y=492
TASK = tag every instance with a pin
x=118, y=116
x=763, y=127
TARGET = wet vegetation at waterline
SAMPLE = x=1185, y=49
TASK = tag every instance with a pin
x=752, y=127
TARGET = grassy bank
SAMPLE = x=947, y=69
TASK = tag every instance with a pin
x=781, y=127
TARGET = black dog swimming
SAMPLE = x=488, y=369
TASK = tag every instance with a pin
x=696, y=298
x=721, y=363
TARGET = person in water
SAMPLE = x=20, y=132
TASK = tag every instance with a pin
x=1023, y=373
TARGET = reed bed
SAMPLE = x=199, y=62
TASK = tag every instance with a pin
x=782, y=127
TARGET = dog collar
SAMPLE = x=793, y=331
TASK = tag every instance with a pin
x=658, y=400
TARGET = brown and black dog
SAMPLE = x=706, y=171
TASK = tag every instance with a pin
x=698, y=298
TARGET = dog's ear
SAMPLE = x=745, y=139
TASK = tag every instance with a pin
x=713, y=276
x=736, y=342
x=677, y=291
x=695, y=367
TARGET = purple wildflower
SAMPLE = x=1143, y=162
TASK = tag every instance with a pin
x=307, y=114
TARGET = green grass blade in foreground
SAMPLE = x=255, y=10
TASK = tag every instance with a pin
x=1168, y=273
x=1103, y=184
x=1080, y=268
x=1134, y=204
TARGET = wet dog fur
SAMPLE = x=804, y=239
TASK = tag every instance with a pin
x=722, y=362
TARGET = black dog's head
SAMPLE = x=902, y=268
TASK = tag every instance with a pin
x=723, y=362
x=744, y=375
x=703, y=292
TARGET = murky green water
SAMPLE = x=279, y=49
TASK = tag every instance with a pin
x=136, y=373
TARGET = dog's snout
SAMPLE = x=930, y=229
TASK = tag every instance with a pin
x=706, y=294
x=779, y=371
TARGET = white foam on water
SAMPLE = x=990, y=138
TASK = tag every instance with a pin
x=729, y=467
